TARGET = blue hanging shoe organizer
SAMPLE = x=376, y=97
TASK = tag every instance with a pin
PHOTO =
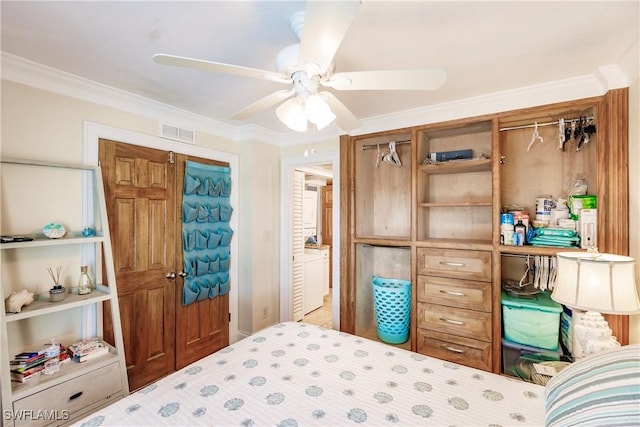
x=206, y=234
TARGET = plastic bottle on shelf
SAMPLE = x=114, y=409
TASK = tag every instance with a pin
x=519, y=233
x=52, y=353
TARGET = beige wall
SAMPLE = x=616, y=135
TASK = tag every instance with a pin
x=260, y=184
x=42, y=125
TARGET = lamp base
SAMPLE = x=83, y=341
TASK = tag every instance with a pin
x=591, y=334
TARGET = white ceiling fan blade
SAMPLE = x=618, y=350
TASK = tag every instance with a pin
x=344, y=118
x=263, y=104
x=218, y=67
x=325, y=25
x=428, y=79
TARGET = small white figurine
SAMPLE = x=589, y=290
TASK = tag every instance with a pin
x=17, y=300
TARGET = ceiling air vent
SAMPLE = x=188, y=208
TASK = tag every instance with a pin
x=178, y=134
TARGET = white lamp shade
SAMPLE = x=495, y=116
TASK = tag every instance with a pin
x=596, y=282
x=292, y=114
x=318, y=111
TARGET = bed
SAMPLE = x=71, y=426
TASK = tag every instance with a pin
x=296, y=374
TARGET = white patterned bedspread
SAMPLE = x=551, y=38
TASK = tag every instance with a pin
x=295, y=374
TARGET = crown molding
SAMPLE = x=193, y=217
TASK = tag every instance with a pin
x=548, y=93
x=40, y=76
x=20, y=70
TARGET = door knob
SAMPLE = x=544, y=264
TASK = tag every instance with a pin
x=171, y=275
x=183, y=274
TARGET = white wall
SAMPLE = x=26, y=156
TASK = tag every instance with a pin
x=261, y=230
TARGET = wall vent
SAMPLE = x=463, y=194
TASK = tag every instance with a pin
x=177, y=134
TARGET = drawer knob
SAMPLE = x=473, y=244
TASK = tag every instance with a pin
x=453, y=293
x=452, y=349
x=75, y=396
x=455, y=322
x=453, y=264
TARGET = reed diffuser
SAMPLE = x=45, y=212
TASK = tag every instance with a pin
x=57, y=293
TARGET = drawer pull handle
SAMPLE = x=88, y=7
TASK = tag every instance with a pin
x=455, y=294
x=455, y=322
x=453, y=350
x=75, y=396
x=453, y=264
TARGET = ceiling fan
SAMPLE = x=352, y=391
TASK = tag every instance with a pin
x=308, y=65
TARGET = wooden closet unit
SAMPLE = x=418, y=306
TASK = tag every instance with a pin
x=438, y=225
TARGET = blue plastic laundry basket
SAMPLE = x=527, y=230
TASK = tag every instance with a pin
x=392, y=304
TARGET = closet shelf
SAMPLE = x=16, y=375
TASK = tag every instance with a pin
x=471, y=244
x=399, y=241
x=535, y=250
x=454, y=204
x=457, y=166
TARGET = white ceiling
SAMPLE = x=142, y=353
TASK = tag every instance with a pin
x=486, y=47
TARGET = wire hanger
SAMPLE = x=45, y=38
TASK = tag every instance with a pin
x=536, y=136
x=525, y=275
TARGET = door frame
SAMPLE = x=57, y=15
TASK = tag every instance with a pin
x=286, y=167
x=93, y=132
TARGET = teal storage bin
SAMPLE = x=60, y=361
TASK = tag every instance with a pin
x=392, y=304
x=531, y=320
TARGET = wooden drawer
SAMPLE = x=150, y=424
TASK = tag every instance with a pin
x=455, y=321
x=464, y=351
x=73, y=395
x=459, y=293
x=455, y=263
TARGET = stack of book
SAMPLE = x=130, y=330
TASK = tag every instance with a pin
x=84, y=350
x=28, y=365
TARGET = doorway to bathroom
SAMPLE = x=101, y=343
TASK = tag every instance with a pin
x=310, y=272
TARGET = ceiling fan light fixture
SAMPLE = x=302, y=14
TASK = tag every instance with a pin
x=292, y=114
x=318, y=111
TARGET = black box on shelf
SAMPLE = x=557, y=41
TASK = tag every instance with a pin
x=444, y=156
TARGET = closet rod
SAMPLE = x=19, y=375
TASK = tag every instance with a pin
x=544, y=124
x=522, y=255
x=368, y=146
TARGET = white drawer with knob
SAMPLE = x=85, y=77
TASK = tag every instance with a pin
x=69, y=397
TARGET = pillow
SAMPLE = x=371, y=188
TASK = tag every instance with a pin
x=601, y=389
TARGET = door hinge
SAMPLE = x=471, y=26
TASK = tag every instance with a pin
x=171, y=157
x=229, y=317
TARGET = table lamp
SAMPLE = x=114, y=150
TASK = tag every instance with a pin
x=591, y=283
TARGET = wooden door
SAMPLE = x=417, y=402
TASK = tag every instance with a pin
x=140, y=190
x=202, y=327
x=143, y=188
